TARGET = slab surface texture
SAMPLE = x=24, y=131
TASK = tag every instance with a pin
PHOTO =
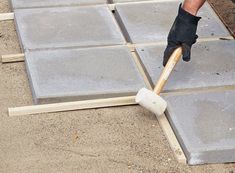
x=151, y=21
x=45, y=3
x=78, y=74
x=204, y=125
x=120, y=1
x=212, y=64
x=67, y=27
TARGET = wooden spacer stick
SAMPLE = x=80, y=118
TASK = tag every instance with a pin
x=12, y=58
x=70, y=106
x=170, y=135
x=6, y=16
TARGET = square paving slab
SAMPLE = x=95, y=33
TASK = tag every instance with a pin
x=212, y=64
x=77, y=74
x=47, y=3
x=120, y=1
x=67, y=27
x=151, y=21
x=204, y=125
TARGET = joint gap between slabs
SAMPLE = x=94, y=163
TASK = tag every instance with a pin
x=111, y=7
x=172, y=139
x=199, y=90
x=120, y=24
x=110, y=2
x=77, y=47
x=141, y=70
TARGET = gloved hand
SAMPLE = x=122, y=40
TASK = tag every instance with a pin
x=182, y=33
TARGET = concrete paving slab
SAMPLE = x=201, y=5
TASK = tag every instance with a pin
x=15, y=4
x=78, y=74
x=151, y=21
x=120, y=1
x=212, y=64
x=67, y=27
x=204, y=124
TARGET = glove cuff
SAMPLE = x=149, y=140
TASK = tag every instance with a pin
x=187, y=17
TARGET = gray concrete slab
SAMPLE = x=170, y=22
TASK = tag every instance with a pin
x=151, y=21
x=67, y=27
x=121, y=1
x=212, y=64
x=15, y=4
x=77, y=74
x=204, y=124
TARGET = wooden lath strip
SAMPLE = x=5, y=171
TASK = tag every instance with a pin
x=170, y=135
x=6, y=16
x=70, y=106
x=12, y=58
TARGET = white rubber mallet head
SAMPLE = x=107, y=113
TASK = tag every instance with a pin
x=151, y=99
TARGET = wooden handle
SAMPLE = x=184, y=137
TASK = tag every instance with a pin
x=173, y=60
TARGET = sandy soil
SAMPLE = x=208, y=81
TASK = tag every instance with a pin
x=226, y=10
x=125, y=139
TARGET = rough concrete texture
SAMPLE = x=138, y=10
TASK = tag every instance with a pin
x=204, y=123
x=67, y=27
x=212, y=64
x=151, y=21
x=15, y=4
x=73, y=74
x=120, y=1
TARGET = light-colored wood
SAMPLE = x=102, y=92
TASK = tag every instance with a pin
x=70, y=106
x=6, y=16
x=170, y=135
x=111, y=7
x=173, y=60
x=131, y=47
x=12, y=58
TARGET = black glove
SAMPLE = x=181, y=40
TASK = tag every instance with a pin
x=182, y=33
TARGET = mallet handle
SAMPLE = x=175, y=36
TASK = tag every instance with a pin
x=173, y=60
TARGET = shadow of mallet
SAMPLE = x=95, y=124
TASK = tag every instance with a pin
x=151, y=99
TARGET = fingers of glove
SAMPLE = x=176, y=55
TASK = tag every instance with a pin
x=193, y=41
x=167, y=53
x=186, y=52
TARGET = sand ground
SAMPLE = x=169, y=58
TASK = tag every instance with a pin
x=125, y=139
